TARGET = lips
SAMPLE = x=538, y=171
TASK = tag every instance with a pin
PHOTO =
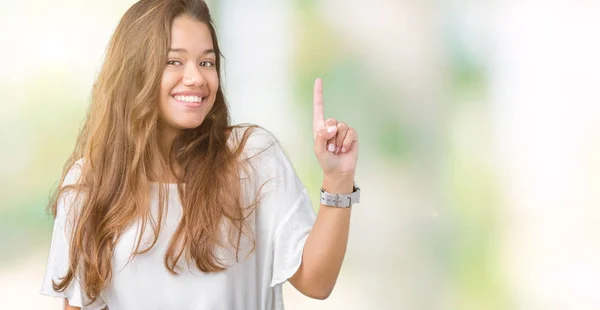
x=190, y=99
x=193, y=102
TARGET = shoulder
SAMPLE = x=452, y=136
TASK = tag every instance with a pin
x=255, y=140
x=74, y=172
x=68, y=194
x=264, y=154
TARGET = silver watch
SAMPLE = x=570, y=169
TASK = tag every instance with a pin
x=340, y=200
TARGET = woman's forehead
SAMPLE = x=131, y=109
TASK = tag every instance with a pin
x=190, y=35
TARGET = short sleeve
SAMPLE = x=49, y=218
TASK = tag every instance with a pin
x=290, y=237
x=287, y=212
x=58, y=258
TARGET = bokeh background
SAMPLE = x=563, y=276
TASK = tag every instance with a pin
x=479, y=124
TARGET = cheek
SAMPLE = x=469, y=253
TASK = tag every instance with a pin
x=167, y=83
x=214, y=84
x=213, y=80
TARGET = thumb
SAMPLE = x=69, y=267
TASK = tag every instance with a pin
x=324, y=135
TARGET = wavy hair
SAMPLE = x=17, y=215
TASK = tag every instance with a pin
x=120, y=145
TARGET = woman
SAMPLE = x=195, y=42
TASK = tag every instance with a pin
x=164, y=205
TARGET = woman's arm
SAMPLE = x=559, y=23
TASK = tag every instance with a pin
x=325, y=247
x=336, y=149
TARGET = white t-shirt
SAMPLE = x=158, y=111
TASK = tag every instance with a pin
x=281, y=222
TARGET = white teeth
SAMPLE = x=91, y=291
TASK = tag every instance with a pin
x=194, y=99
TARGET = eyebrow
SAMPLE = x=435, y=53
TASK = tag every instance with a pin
x=183, y=50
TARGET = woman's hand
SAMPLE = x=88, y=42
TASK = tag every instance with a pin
x=336, y=143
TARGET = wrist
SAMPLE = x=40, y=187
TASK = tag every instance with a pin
x=338, y=184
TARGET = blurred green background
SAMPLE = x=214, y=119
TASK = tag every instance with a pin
x=479, y=128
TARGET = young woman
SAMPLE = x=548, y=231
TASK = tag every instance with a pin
x=165, y=205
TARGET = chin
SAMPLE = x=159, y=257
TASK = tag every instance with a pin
x=190, y=124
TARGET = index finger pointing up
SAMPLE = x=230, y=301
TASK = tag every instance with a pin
x=318, y=118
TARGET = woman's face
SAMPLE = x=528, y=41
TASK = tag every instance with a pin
x=189, y=81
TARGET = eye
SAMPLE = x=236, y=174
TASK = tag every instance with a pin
x=173, y=62
x=207, y=64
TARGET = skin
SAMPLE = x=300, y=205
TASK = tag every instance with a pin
x=189, y=69
x=69, y=307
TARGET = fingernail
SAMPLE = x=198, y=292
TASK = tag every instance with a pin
x=331, y=147
x=343, y=149
x=331, y=129
x=337, y=149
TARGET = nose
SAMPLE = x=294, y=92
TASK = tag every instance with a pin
x=192, y=76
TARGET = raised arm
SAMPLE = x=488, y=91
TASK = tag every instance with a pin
x=336, y=149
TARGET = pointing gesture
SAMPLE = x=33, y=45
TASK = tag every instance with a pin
x=336, y=143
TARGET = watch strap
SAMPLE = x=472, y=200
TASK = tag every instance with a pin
x=340, y=200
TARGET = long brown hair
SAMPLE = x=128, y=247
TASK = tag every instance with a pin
x=120, y=146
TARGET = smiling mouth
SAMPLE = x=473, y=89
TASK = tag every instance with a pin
x=190, y=101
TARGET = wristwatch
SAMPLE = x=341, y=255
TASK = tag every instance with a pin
x=340, y=200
